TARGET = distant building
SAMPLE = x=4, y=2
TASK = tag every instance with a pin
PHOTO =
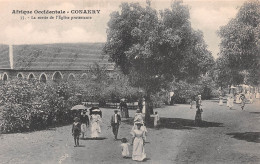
x=52, y=62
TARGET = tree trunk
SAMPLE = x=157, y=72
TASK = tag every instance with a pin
x=149, y=111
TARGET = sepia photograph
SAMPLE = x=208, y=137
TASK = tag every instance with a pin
x=129, y=81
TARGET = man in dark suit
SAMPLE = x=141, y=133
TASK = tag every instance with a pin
x=115, y=122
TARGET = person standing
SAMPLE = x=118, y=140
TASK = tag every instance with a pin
x=199, y=111
x=220, y=100
x=143, y=106
x=84, y=123
x=231, y=102
x=76, y=127
x=124, y=108
x=156, y=120
x=138, y=142
x=243, y=101
x=115, y=122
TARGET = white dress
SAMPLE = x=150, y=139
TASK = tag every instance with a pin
x=231, y=102
x=138, y=145
x=257, y=95
x=220, y=101
x=125, y=150
x=143, y=109
x=238, y=101
x=156, y=120
x=95, y=125
x=228, y=101
x=83, y=128
x=143, y=128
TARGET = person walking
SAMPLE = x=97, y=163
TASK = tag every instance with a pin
x=95, y=125
x=84, y=123
x=115, y=122
x=138, y=142
x=125, y=149
x=76, y=127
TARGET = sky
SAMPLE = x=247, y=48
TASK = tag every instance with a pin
x=205, y=15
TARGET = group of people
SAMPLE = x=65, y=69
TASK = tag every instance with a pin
x=138, y=133
x=239, y=98
x=79, y=127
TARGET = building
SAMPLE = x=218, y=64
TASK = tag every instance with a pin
x=51, y=62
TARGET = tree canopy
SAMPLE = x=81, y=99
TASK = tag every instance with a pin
x=153, y=48
x=240, y=47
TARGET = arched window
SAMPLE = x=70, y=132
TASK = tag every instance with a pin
x=5, y=77
x=84, y=76
x=57, y=77
x=71, y=77
x=31, y=76
x=20, y=76
x=43, y=78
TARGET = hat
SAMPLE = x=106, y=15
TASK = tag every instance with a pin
x=76, y=119
x=138, y=123
x=124, y=140
x=199, y=95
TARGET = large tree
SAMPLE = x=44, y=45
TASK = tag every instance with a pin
x=154, y=48
x=240, y=47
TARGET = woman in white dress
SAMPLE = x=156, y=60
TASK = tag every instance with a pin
x=231, y=102
x=257, y=95
x=138, y=143
x=238, y=101
x=144, y=106
x=95, y=125
x=220, y=100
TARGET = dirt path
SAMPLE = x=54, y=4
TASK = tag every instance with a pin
x=227, y=136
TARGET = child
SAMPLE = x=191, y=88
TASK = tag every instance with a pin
x=125, y=150
x=156, y=120
x=76, y=130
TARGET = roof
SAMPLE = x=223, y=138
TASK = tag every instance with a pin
x=65, y=56
x=4, y=57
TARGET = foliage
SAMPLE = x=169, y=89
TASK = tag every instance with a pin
x=30, y=105
x=240, y=47
x=154, y=48
x=185, y=92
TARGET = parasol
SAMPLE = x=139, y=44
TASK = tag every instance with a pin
x=79, y=107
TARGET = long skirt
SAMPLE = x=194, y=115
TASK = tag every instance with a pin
x=220, y=102
x=198, y=118
x=95, y=130
x=238, y=101
x=83, y=128
x=138, y=149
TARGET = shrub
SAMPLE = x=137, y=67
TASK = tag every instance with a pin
x=28, y=106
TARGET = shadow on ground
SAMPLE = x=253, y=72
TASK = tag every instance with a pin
x=255, y=112
x=247, y=136
x=179, y=123
x=98, y=138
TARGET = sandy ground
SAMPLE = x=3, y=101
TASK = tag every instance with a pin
x=226, y=136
